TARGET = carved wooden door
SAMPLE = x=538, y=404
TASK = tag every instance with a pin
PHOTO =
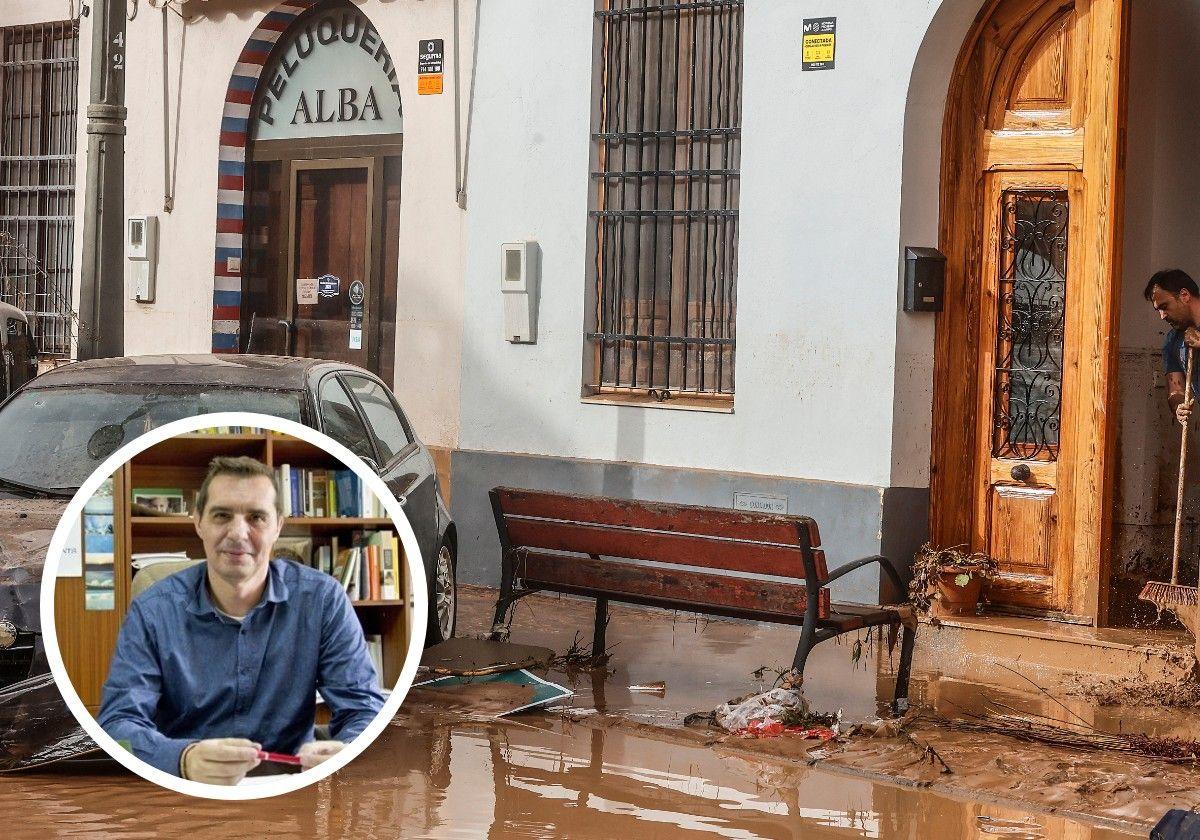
x=1026, y=344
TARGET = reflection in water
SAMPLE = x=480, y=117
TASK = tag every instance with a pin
x=531, y=778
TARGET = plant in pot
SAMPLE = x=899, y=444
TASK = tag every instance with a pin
x=949, y=581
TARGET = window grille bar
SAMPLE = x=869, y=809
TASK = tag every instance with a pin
x=668, y=173
x=39, y=71
x=695, y=5
x=686, y=134
x=665, y=339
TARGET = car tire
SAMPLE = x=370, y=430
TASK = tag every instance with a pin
x=443, y=597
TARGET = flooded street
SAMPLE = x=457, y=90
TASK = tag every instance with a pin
x=538, y=777
x=616, y=762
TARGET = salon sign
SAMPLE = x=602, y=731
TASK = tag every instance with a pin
x=332, y=77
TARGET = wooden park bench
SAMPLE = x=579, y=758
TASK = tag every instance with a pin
x=631, y=551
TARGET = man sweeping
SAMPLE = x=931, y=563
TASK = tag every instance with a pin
x=1176, y=298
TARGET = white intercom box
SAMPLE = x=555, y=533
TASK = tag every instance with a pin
x=519, y=287
x=141, y=255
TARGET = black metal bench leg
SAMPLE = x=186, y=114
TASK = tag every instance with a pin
x=598, y=645
x=908, y=640
x=499, y=622
x=807, y=642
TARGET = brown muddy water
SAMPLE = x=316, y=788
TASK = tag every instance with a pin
x=633, y=771
x=533, y=778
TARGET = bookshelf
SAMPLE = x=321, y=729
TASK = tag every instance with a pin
x=88, y=636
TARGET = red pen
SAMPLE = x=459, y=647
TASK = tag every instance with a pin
x=279, y=758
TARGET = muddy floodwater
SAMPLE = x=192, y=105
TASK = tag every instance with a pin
x=539, y=777
x=617, y=761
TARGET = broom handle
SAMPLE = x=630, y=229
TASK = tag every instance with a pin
x=1183, y=447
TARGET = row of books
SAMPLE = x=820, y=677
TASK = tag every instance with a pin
x=321, y=493
x=230, y=430
x=369, y=568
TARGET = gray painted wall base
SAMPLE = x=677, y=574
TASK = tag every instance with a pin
x=855, y=520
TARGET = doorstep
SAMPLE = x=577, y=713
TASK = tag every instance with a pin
x=974, y=649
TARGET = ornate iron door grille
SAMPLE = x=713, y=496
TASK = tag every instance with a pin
x=39, y=77
x=1031, y=324
x=668, y=148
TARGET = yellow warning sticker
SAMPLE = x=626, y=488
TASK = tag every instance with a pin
x=818, y=48
x=429, y=83
x=818, y=43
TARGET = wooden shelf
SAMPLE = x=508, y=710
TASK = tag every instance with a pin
x=388, y=603
x=198, y=450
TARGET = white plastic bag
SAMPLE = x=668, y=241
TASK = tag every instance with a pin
x=768, y=707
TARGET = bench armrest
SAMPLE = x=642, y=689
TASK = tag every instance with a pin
x=888, y=567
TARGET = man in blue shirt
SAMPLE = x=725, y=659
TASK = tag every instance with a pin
x=223, y=659
x=1176, y=298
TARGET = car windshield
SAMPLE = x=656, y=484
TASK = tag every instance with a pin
x=53, y=438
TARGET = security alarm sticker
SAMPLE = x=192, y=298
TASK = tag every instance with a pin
x=430, y=62
x=329, y=285
x=819, y=42
x=358, y=292
x=306, y=291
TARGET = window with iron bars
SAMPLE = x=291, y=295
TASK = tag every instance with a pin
x=39, y=77
x=664, y=223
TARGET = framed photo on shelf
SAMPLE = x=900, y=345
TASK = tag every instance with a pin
x=159, y=501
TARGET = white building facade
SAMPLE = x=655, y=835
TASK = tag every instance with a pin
x=715, y=219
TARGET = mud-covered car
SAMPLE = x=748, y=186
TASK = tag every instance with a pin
x=58, y=428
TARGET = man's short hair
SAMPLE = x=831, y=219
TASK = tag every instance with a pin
x=242, y=466
x=1173, y=280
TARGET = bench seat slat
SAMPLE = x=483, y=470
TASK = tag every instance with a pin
x=661, y=547
x=764, y=600
x=659, y=516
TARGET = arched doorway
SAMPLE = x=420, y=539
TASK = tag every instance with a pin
x=1026, y=345
x=309, y=261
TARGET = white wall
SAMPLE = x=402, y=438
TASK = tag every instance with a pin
x=820, y=240
x=1162, y=185
x=429, y=320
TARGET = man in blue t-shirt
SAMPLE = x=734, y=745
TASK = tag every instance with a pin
x=1176, y=298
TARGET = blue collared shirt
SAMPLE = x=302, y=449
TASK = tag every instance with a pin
x=183, y=672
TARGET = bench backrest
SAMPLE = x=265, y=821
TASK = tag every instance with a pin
x=662, y=532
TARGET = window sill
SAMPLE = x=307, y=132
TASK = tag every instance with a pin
x=677, y=403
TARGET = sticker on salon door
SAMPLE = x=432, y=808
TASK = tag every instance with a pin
x=306, y=291
x=355, y=339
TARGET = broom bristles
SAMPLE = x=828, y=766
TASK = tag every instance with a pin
x=1169, y=594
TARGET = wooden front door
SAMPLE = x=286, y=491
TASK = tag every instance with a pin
x=1026, y=343
x=331, y=259
x=321, y=245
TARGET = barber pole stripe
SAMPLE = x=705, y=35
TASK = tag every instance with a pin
x=231, y=171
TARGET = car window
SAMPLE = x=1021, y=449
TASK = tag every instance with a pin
x=341, y=422
x=55, y=437
x=389, y=429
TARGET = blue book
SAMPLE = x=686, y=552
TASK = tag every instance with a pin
x=294, y=489
x=346, y=496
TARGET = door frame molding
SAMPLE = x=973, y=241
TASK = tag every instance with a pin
x=1005, y=29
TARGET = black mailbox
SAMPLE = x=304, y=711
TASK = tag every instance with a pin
x=924, y=279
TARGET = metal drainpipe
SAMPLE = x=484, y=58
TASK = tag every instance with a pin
x=102, y=281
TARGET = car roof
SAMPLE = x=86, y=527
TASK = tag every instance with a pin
x=7, y=310
x=285, y=373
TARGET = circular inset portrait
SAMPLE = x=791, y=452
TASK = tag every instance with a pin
x=239, y=604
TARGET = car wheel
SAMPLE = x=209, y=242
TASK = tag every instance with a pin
x=443, y=597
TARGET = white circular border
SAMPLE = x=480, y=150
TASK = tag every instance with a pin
x=285, y=783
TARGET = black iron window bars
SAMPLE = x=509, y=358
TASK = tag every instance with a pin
x=39, y=80
x=667, y=147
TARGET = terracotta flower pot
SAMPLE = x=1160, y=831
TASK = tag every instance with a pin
x=958, y=592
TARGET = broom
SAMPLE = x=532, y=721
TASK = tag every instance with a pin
x=1170, y=595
